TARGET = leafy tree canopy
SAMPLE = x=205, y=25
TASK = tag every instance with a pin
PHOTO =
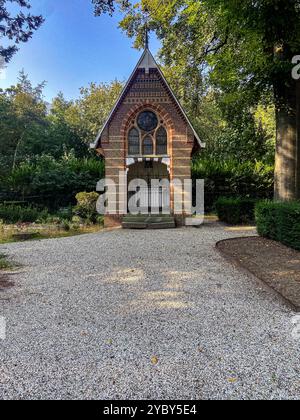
x=242, y=50
x=16, y=28
x=30, y=127
x=243, y=44
x=89, y=112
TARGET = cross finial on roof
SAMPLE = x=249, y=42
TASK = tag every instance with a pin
x=146, y=36
x=146, y=11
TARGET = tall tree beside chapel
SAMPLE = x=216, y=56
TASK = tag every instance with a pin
x=247, y=47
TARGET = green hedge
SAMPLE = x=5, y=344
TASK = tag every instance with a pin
x=231, y=178
x=19, y=214
x=279, y=221
x=236, y=210
x=48, y=182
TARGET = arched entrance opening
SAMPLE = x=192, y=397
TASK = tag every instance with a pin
x=154, y=193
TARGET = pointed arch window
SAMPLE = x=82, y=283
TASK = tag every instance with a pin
x=148, y=146
x=147, y=135
x=161, y=141
x=134, y=142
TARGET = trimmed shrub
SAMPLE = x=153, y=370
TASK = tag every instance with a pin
x=279, y=221
x=86, y=206
x=18, y=214
x=236, y=210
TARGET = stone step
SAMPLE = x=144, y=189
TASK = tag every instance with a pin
x=148, y=222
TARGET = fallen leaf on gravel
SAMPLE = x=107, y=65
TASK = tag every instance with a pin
x=154, y=360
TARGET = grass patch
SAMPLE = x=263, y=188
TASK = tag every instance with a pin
x=13, y=233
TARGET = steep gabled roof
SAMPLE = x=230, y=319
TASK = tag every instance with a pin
x=147, y=62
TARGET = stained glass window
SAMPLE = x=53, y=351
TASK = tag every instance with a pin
x=134, y=142
x=147, y=146
x=147, y=121
x=161, y=141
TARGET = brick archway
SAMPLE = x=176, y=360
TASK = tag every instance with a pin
x=136, y=109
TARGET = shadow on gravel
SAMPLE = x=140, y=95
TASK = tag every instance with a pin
x=275, y=264
x=5, y=282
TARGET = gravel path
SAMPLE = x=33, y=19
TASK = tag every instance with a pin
x=143, y=315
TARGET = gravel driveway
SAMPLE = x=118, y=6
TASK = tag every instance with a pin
x=143, y=315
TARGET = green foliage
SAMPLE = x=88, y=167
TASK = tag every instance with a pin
x=86, y=206
x=65, y=225
x=233, y=178
x=239, y=51
x=88, y=114
x=44, y=156
x=4, y=263
x=54, y=183
x=29, y=129
x=7, y=142
x=279, y=221
x=85, y=211
x=20, y=214
x=236, y=210
x=65, y=213
x=103, y=6
x=245, y=135
x=214, y=59
x=17, y=27
x=100, y=220
x=237, y=43
x=265, y=215
x=62, y=135
x=23, y=121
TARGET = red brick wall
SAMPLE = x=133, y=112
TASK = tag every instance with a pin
x=147, y=92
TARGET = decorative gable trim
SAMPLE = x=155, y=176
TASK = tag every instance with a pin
x=146, y=62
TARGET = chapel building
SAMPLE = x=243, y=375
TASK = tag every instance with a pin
x=147, y=136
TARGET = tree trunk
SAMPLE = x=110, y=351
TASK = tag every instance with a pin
x=17, y=149
x=287, y=164
x=298, y=142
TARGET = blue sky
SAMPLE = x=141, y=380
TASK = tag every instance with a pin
x=74, y=48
